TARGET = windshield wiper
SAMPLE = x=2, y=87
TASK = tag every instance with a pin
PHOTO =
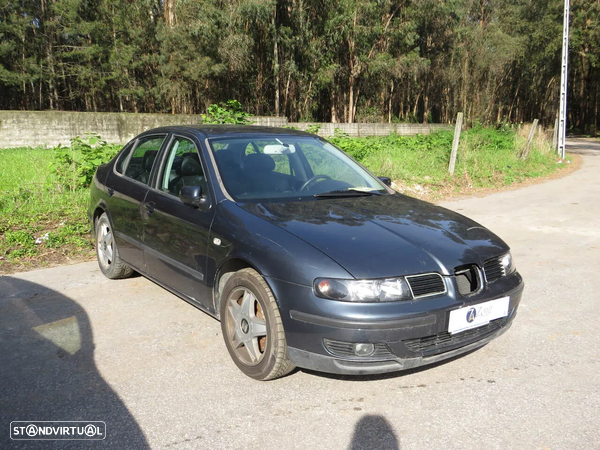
x=351, y=192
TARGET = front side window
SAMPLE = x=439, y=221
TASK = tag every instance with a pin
x=142, y=159
x=182, y=167
x=289, y=167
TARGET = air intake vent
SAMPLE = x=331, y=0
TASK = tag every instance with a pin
x=438, y=343
x=426, y=284
x=468, y=279
x=493, y=269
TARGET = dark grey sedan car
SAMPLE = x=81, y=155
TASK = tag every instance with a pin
x=305, y=257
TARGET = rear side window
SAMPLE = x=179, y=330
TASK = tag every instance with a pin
x=143, y=158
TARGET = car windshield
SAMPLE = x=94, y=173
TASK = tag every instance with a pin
x=289, y=167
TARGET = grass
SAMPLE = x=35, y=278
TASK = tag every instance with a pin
x=34, y=206
x=43, y=216
x=487, y=158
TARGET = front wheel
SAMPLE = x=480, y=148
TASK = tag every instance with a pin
x=107, y=252
x=252, y=327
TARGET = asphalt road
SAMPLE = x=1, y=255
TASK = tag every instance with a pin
x=74, y=346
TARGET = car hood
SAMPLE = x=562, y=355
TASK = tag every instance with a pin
x=384, y=236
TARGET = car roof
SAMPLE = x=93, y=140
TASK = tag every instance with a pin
x=212, y=131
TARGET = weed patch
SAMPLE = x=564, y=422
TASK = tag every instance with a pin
x=44, y=192
x=487, y=157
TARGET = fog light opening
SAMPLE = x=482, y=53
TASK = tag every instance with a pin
x=364, y=349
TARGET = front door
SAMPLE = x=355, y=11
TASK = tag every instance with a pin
x=176, y=234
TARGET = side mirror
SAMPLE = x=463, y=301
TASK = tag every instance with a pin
x=192, y=195
x=386, y=180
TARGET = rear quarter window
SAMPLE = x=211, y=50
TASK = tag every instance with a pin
x=120, y=164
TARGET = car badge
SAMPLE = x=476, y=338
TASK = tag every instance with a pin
x=471, y=314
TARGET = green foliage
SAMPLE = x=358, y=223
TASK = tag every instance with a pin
x=313, y=128
x=75, y=166
x=34, y=204
x=38, y=204
x=70, y=234
x=407, y=61
x=488, y=157
x=20, y=237
x=20, y=242
x=230, y=112
x=338, y=133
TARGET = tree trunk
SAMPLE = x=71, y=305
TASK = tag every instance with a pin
x=390, y=102
x=350, y=117
x=287, y=94
x=582, y=96
x=169, y=12
x=276, y=61
x=169, y=16
x=465, y=77
x=333, y=105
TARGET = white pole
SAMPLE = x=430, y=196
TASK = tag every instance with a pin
x=564, y=75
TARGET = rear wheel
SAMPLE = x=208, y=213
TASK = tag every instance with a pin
x=107, y=252
x=252, y=327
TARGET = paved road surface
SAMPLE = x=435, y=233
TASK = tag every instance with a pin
x=74, y=345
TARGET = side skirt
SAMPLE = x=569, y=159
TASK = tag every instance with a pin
x=190, y=300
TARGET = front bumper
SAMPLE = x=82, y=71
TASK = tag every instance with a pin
x=321, y=333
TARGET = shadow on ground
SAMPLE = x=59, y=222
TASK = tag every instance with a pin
x=47, y=369
x=374, y=432
x=583, y=146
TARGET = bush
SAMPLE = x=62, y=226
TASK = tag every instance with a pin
x=74, y=166
x=229, y=112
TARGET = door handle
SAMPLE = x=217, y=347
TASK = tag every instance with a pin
x=110, y=190
x=150, y=207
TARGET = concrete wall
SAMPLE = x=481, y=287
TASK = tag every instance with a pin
x=374, y=129
x=50, y=128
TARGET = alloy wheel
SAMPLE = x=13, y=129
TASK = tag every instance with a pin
x=246, y=326
x=105, y=245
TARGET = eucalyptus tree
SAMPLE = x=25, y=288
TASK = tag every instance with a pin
x=313, y=60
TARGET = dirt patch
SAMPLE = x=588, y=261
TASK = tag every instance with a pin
x=45, y=260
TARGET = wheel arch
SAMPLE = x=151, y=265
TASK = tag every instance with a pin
x=100, y=209
x=226, y=270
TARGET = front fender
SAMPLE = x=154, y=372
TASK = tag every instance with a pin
x=272, y=251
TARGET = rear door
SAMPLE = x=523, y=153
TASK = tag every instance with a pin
x=176, y=234
x=127, y=187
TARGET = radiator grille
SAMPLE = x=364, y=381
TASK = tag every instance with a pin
x=427, y=284
x=468, y=279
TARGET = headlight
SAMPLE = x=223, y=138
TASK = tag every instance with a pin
x=507, y=264
x=387, y=290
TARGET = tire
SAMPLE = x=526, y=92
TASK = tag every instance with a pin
x=107, y=252
x=252, y=327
